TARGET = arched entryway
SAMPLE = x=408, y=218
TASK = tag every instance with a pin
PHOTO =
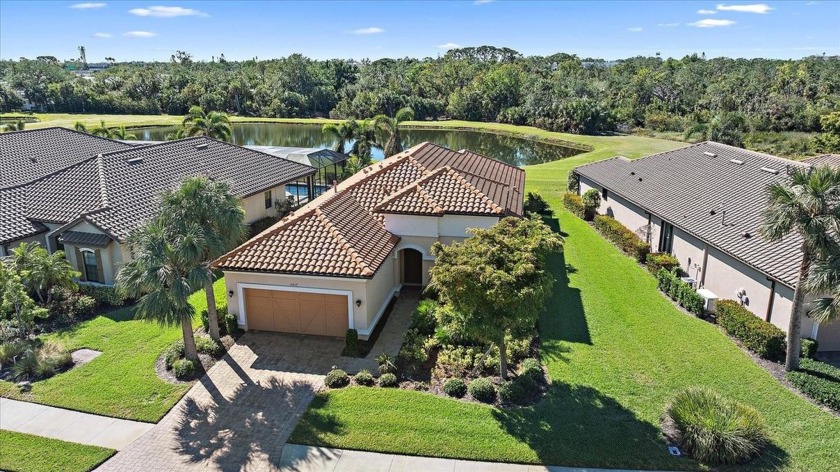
x=412, y=267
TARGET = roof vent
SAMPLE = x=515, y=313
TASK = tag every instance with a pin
x=770, y=170
x=201, y=146
x=737, y=161
x=710, y=154
x=746, y=234
x=33, y=159
x=633, y=173
x=640, y=179
x=134, y=160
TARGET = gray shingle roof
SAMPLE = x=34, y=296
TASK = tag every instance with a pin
x=31, y=154
x=825, y=159
x=684, y=185
x=117, y=191
x=81, y=238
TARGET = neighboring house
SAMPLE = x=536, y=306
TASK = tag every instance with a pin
x=84, y=194
x=703, y=203
x=337, y=262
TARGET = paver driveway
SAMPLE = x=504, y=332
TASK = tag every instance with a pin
x=239, y=415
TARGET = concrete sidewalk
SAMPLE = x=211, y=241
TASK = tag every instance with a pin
x=321, y=459
x=69, y=425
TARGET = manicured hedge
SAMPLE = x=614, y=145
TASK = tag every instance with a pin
x=809, y=347
x=103, y=294
x=680, y=292
x=759, y=336
x=622, y=237
x=574, y=204
x=819, y=381
x=661, y=260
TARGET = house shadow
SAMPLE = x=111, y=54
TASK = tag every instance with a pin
x=563, y=318
x=244, y=429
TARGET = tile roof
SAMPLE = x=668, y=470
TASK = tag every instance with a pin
x=81, y=238
x=117, y=191
x=32, y=154
x=686, y=185
x=341, y=233
x=825, y=159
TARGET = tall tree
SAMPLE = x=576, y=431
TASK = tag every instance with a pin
x=825, y=279
x=364, y=141
x=809, y=206
x=392, y=126
x=210, y=206
x=164, y=272
x=212, y=124
x=342, y=133
x=496, y=281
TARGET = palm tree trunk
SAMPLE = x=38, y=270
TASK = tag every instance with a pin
x=503, y=359
x=212, y=314
x=794, y=333
x=189, y=339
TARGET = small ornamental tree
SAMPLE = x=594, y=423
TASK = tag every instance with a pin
x=496, y=281
x=591, y=200
x=15, y=300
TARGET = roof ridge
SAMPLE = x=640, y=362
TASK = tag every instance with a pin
x=63, y=128
x=103, y=189
x=756, y=153
x=464, y=151
x=343, y=242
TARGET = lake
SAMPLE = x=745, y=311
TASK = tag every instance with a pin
x=516, y=151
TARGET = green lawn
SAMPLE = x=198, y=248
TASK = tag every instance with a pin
x=27, y=453
x=122, y=381
x=616, y=351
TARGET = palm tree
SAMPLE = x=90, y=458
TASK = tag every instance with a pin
x=340, y=132
x=179, y=133
x=351, y=166
x=164, y=272
x=365, y=139
x=392, y=127
x=724, y=129
x=808, y=205
x=120, y=133
x=80, y=127
x=214, y=124
x=210, y=206
x=825, y=278
x=41, y=271
x=101, y=130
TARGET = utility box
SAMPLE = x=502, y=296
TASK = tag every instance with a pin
x=709, y=300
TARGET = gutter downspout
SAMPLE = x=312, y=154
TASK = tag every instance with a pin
x=703, y=266
x=771, y=301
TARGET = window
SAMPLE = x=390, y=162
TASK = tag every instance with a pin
x=91, y=268
x=666, y=238
x=605, y=194
x=267, y=196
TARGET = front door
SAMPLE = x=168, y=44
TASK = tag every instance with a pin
x=412, y=267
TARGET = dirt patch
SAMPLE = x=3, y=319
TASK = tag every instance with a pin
x=83, y=356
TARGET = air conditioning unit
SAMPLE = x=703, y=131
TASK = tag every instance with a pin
x=689, y=281
x=709, y=299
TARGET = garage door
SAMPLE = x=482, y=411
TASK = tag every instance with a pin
x=296, y=312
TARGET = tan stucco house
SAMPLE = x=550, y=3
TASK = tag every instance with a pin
x=85, y=194
x=703, y=203
x=337, y=262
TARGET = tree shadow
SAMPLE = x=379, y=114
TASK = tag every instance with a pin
x=563, y=318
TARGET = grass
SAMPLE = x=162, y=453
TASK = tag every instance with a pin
x=27, y=453
x=122, y=381
x=67, y=120
x=616, y=357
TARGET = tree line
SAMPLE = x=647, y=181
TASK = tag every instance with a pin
x=560, y=92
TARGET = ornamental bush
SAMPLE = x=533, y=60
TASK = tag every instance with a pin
x=661, y=260
x=532, y=369
x=536, y=204
x=690, y=299
x=351, y=342
x=759, y=336
x=185, y=369
x=512, y=391
x=625, y=239
x=714, y=429
x=388, y=380
x=574, y=204
x=336, y=378
x=423, y=319
x=482, y=390
x=809, y=347
x=103, y=294
x=206, y=345
x=227, y=322
x=364, y=377
x=455, y=387
x=591, y=202
x=819, y=381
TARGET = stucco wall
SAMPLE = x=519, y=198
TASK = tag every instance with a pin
x=689, y=251
x=627, y=213
x=39, y=238
x=254, y=205
x=828, y=336
x=378, y=292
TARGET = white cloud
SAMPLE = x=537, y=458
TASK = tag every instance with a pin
x=706, y=12
x=87, y=5
x=635, y=29
x=165, y=12
x=371, y=30
x=139, y=34
x=667, y=25
x=483, y=2
x=102, y=35
x=449, y=46
x=711, y=23
x=754, y=8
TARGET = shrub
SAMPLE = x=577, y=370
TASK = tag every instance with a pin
x=574, y=204
x=364, y=377
x=625, y=239
x=665, y=278
x=661, y=260
x=819, y=381
x=591, y=202
x=455, y=387
x=413, y=352
x=512, y=391
x=423, y=319
x=532, y=369
x=173, y=352
x=759, y=336
x=337, y=378
x=184, y=369
x=690, y=299
x=206, y=345
x=573, y=183
x=714, y=429
x=482, y=390
x=69, y=304
x=26, y=366
x=351, y=342
x=385, y=363
x=536, y=204
x=11, y=350
x=388, y=380
x=103, y=294
x=51, y=358
x=459, y=359
x=809, y=347
x=227, y=322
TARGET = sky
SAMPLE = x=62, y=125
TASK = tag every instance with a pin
x=154, y=30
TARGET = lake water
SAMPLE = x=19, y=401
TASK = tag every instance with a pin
x=515, y=151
